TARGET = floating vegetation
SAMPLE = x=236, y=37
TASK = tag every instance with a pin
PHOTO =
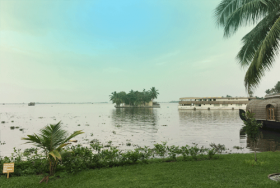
x=17, y=127
x=2, y=143
x=12, y=121
x=20, y=129
x=164, y=125
x=2, y=121
x=40, y=117
x=114, y=132
x=79, y=125
x=94, y=141
x=118, y=125
x=86, y=124
x=128, y=144
x=12, y=127
x=91, y=134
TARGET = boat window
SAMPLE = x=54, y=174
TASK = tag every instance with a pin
x=270, y=112
x=214, y=99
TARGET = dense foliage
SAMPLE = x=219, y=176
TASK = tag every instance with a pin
x=261, y=44
x=78, y=158
x=274, y=90
x=134, y=98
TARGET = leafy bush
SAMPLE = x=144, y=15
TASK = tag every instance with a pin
x=160, y=149
x=77, y=158
x=173, y=151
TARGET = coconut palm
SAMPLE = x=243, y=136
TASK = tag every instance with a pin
x=51, y=139
x=113, y=96
x=261, y=44
x=154, y=93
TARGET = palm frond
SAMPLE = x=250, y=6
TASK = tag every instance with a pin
x=226, y=8
x=55, y=154
x=249, y=13
x=264, y=57
x=76, y=133
x=255, y=37
x=62, y=145
x=33, y=139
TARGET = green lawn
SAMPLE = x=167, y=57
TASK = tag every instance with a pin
x=227, y=171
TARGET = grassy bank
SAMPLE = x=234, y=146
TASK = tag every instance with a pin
x=228, y=171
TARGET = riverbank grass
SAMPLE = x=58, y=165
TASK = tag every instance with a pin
x=232, y=170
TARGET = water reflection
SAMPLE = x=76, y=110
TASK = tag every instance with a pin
x=209, y=116
x=135, y=118
x=269, y=140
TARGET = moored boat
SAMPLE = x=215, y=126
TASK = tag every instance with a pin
x=31, y=104
x=266, y=111
x=212, y=103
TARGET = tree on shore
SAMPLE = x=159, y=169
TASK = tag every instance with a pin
x=261, y=44
x=154, y=93
x=274, y=90
x=51, y=139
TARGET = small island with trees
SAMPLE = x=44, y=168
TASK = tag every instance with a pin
x=135, y=99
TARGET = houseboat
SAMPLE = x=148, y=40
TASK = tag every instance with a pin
x=214, y=103
x=31, y=104
x=266, y=111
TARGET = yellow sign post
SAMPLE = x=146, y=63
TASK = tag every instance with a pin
x=8, y=168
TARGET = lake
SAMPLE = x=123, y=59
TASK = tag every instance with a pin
x=138, y=126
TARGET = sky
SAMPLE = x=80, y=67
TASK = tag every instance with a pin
x=83, y=50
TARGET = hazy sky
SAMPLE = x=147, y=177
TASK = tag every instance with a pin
x=82, y=50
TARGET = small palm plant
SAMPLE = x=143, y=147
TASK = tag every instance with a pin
x=51, y=139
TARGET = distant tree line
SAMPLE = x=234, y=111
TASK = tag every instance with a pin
x=134, y=98
x=276, y=89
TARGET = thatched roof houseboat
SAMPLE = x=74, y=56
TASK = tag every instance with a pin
x=266, y=111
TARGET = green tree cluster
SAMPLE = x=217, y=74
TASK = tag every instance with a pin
x=276, y=89
x=134, y=98
x=261, y=44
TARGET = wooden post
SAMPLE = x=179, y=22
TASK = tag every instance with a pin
x=8, y=175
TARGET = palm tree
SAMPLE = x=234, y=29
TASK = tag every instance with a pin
x=51, y=139
x=261, y=44
x=154, y=93
x=113, y=96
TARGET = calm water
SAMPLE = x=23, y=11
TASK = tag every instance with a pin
x=143, y=127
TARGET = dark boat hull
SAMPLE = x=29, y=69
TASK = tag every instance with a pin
x=270, y=125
